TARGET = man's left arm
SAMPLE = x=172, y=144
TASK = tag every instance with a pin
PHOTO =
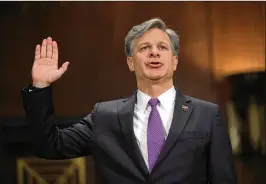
x=221, y=167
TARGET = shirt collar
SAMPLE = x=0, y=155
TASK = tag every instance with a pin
x=166, y=100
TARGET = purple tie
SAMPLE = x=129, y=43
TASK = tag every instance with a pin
x=155, y=133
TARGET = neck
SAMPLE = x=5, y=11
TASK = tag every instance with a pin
x=154, y=89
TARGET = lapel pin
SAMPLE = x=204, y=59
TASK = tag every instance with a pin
x=184, y=108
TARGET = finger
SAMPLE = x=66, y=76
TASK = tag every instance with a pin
x=55, y=51
x=63, y=68
x=43, y=48
x=38, y=52
x=49, y=47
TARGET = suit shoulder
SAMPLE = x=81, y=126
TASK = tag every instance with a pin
x=111, y=103
x=202, y=103
x=108, y=106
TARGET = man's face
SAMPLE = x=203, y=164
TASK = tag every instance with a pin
x=152, y=56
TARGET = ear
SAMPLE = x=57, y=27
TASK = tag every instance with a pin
x=175, y=59
x=130, y=64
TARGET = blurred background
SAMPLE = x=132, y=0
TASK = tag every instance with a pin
x=222, y=60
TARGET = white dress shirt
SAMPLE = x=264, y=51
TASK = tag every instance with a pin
x=141, y=115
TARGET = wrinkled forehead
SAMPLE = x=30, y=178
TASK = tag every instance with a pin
x=152, y=36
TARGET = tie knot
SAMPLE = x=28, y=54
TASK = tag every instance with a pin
x=153, y=101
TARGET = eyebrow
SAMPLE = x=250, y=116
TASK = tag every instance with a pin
x=144, y=43
x=147, y=43
x=161, y=42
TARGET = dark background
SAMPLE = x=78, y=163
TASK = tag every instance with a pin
x=217, y=40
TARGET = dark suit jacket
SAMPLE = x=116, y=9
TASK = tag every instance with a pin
x=197, y=149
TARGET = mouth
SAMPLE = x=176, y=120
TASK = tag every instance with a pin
x=154, y=64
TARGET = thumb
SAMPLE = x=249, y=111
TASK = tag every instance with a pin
x=63, y=68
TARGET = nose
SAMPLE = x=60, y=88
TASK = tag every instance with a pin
x=154, y=52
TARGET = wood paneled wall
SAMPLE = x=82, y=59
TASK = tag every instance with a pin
x=238, y=31
x=214, y=37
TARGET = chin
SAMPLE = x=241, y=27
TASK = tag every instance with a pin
x=155, y=78
x=154, y=75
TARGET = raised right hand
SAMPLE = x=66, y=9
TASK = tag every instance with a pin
x=45, y=67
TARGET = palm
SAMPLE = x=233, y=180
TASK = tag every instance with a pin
x=45, y=68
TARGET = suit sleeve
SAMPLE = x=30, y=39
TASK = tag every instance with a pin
x=221, y=168
x=50, y=141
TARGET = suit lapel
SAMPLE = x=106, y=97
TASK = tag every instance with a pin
x=126, y=113
x=182, y=112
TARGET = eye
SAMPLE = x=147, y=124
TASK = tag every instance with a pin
x=162, y=47
x=144, y=48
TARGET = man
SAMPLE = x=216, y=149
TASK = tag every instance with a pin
x=157, y=135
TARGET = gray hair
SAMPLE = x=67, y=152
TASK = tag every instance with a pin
x=138, y=30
